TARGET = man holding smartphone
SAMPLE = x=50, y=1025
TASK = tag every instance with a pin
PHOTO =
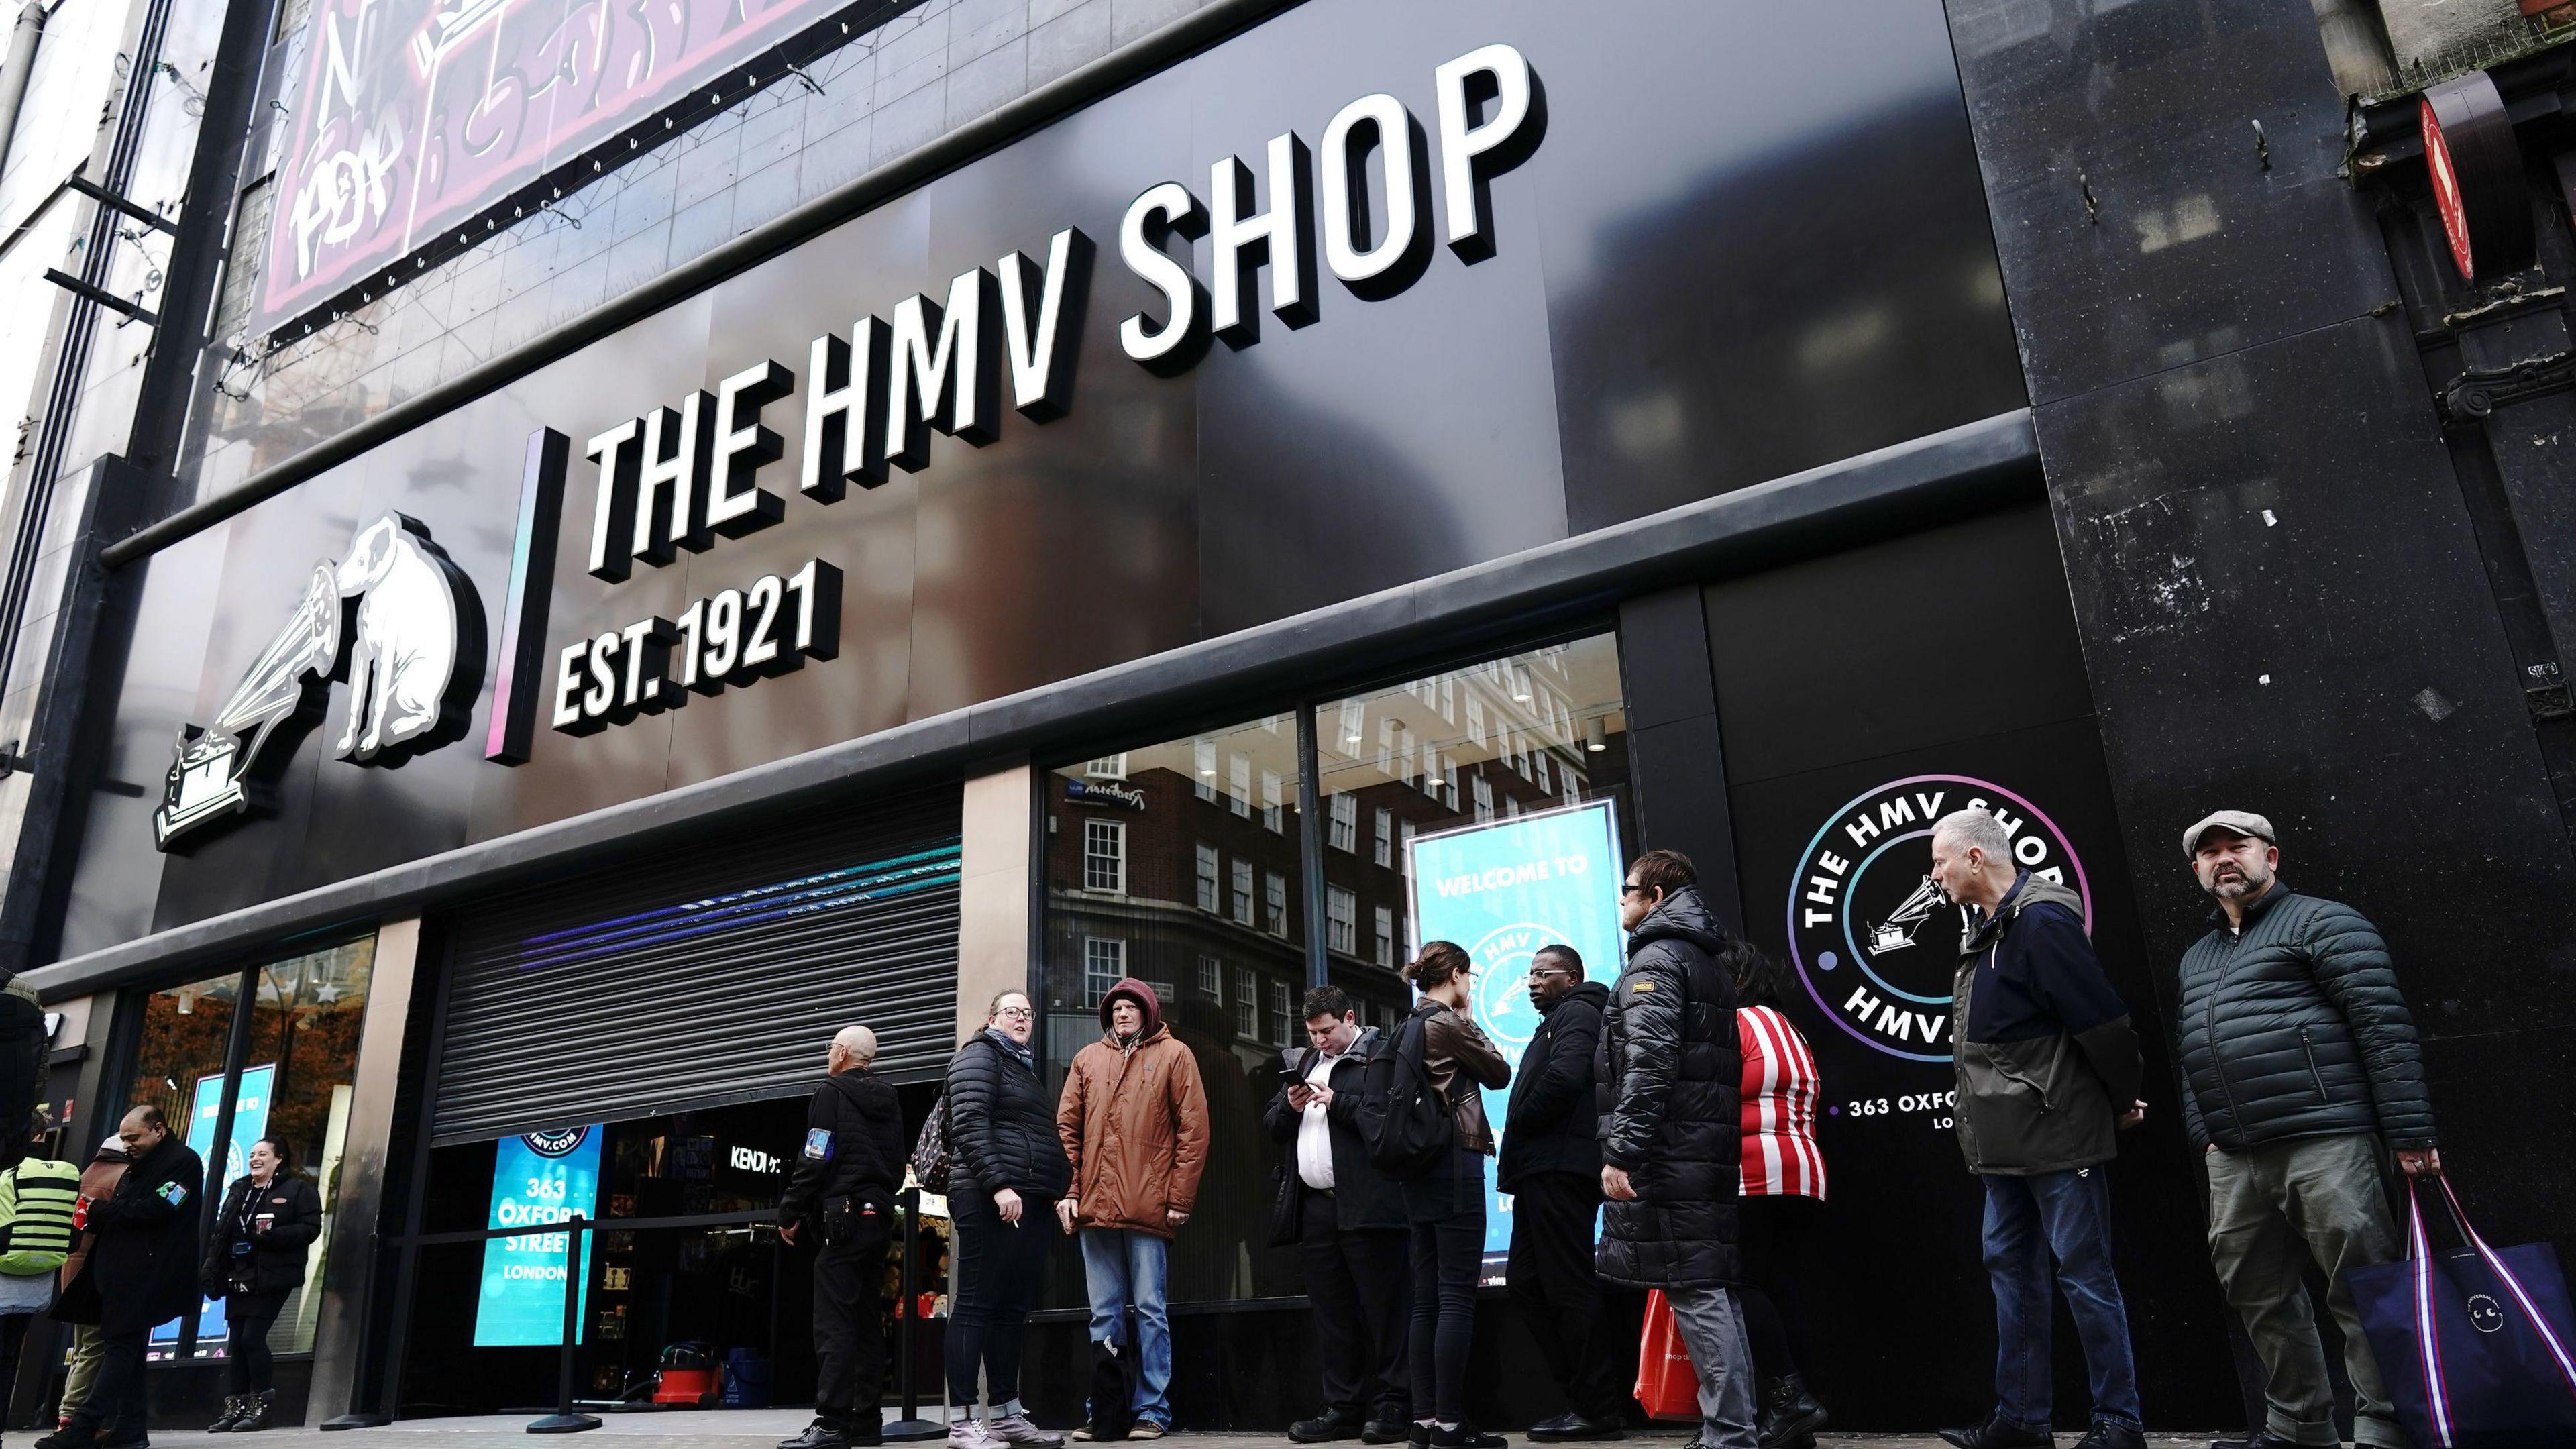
x=1351, y=1230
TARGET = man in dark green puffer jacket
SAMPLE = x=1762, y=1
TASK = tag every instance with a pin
x=2299, y=1065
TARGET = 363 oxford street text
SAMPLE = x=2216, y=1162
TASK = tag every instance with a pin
x=732, y=638
x=672, y=481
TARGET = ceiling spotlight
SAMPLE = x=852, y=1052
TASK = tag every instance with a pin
x=1596, y=737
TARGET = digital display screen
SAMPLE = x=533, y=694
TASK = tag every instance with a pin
x=250, y=1123
x=538, y=1180
x=1502, y=891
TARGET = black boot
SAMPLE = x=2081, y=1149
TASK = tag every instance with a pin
x=224, y=1417
x=1999, y=1433
x=821, y=1434
x=73, y=1435
x=255, y=1410
x=1325, y=1428
x=1789, y=1413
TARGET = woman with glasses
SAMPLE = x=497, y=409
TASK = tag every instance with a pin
x=1446, y=1210
x=1007, y=1170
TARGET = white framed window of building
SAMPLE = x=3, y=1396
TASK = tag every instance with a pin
x=1104, y=964
x=1238, y=781
x=1209, y=889
x=1430, y=770
x=1511, y=807
x=1283, y=1012
x=1385, y=848
x=1274, y=900
x=1108, y=767
x=1449, y=773
x=1475, y=719
x=1212, y=979
x=1404, y=764
x=1353, y=722
x=1242, y=892
x=1341, y=920
x=1247, y=1005
x=1386, y=746
x=1406, y=830
x=1204, y=758
x=1104, y=856
x=1386, y=938
x=1449, y=697
x=1346, y=823
x=1544, y=787
x=1484, y=799
x=1274, y=812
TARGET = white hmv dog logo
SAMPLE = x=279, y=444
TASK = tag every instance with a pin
x=396, y=619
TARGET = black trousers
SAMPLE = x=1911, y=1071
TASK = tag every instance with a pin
x=247, y=1317
x=114, y=1409
x=998, y=1270
x=1772, y=1234
x=849, y=1325
x=1359, y=1284
x=1553, y=1283
x=1447, y=1216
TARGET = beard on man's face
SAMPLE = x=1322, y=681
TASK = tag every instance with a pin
x=2234, y=882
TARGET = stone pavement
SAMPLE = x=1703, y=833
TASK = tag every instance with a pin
x=762, y=1428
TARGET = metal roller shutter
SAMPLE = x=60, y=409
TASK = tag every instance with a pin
x=714, y=973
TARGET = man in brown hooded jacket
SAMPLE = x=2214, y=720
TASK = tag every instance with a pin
x=1134, y=1121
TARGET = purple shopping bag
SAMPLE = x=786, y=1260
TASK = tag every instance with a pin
x=2473, y=1342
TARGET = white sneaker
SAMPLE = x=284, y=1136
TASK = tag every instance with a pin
x=968, y=1433
x=1016, y=1429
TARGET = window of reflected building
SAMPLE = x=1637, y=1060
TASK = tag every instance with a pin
x=1186, y=864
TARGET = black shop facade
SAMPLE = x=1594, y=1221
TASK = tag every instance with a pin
x=1204, y=538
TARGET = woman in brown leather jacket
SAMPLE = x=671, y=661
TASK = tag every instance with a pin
x=1446, y=1210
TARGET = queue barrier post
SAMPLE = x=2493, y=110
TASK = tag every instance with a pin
x=564, y=1420
x=911, y=1427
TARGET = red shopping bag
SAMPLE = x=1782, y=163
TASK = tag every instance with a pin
x=1667, y=1384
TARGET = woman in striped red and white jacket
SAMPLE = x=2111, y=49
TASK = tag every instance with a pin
x=1783, y=1192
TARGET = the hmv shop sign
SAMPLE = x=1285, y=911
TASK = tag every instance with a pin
x=400, y=625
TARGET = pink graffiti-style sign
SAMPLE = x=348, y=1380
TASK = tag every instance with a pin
x=417, y=115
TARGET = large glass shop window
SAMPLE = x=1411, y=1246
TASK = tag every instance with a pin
x=299, y=1066
x=1179, y=864
x=1184, y=864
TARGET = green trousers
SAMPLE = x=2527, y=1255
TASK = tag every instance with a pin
x=2271, y=1209
x=84, y=1366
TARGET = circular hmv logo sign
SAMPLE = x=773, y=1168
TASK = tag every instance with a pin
x=1873, y=939
x=558, y=1143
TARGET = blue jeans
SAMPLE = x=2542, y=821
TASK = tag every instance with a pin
x=1123, y=1268
x=2066, y=1215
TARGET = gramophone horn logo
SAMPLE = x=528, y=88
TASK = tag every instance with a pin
x=396, y=619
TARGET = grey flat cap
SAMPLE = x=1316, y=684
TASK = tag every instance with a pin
x=2243, y=822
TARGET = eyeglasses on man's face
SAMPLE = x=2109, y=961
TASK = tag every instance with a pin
x=1631, y=888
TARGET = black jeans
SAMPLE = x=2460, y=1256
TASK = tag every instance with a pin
x=1448, y=1217
x=1358, y=1282
x=247, y=1317
x=1772, y=1234
x=849, y=1324
x=1554, y=1284
x=114, y=1409
x=998, y=1268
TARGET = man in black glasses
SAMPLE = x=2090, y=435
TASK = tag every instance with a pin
x=1551, y=1165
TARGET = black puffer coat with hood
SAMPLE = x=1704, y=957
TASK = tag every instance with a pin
x=1666, y=1085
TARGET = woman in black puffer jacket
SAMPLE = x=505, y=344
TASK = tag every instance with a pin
x=1007, y=1168
x=254, y=1259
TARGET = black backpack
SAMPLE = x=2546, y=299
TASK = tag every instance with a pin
x=1408, y=1126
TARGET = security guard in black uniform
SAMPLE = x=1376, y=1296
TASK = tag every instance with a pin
x=842, y=1194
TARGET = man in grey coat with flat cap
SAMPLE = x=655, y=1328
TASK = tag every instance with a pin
x=2299, y=1069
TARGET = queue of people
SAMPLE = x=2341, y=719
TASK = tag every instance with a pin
x=1678, y=1106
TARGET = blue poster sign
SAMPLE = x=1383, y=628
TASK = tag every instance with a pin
x=537, y=1180
x=1502, y=891
x=250, y=1123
